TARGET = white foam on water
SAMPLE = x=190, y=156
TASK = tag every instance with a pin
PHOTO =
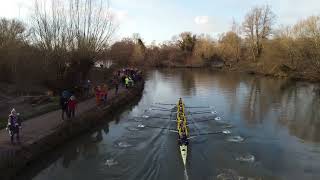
x=110, y=162
x=226, y=132
x=141, y=126
x=235, y=139
x=246, y=158
x=124, y=145
x=186, y=177
x=145, y=116
x=214, y=112
x=228, y=174
x=217, y=119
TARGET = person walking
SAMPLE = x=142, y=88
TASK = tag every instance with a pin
x=72, y=104
x=126, y=82
x=14, y=125
x=116, y=85
x=64, y=104
x=104, y=94
x=97, y=91
x=87, y=87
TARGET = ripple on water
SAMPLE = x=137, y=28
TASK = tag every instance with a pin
x=217, y=119
x=235, y=139
x=229, y=174
x=246, y=158
x=123, y=145
x=145, y=116
x=110, y=162
x=132, y=129
x=226, y=132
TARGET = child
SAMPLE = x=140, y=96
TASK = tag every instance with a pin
x=14, y=125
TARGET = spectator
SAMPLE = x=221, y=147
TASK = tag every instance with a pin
x=104, y=94
x=72, y=104
x=14, y=125
x=64, y=104
x=97, y=91
x=116, y=85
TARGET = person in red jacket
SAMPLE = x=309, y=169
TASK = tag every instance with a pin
x=72, y=104
x=97, y=92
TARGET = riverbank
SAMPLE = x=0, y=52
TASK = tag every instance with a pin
x=47, y=131
x=248, y=67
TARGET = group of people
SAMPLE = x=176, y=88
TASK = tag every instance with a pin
x=129, y=76
x=68, y=104
x=182, y=124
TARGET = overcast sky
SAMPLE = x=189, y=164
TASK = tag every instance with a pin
x=161, y=19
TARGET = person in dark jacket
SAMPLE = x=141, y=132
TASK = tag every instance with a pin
x=64, y=104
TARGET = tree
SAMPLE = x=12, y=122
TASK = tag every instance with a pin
x=74, y=32
x=13, y=36
x=307, y=35
x=230, y=45
x=257, y=27
x=205, y=47
x=121, y=51
x=186, y=42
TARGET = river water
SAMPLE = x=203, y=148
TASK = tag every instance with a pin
x=271, y=131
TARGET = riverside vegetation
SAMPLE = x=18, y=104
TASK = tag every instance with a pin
x=254, y=45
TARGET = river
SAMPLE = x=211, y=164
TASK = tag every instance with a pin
x=272, y=131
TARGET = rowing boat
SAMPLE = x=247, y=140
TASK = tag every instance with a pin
x=183, y=132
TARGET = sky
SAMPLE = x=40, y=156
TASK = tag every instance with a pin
x=160, y=20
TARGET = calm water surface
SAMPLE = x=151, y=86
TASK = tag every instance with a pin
x=274, y=125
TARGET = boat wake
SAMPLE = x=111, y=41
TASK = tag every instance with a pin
x=186, y=177
x=110, y=162
x=123, y=145
x=246, y=158
x=235, y=139
x=132, y=129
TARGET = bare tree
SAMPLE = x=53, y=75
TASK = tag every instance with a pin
x=257, y=28
x=72, y=32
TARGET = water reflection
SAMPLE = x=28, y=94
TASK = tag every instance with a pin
x=256, y=99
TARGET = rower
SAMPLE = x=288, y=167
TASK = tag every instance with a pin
x=180, y=101
x=184, y=138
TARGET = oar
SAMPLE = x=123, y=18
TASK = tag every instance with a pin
x=198, y=129
x=213, y=133
x=155, y=117
x=166, y=104
x=203, y=112
x=156, y=127
x=202, y=121
x=196, y=107
x=161, y=109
